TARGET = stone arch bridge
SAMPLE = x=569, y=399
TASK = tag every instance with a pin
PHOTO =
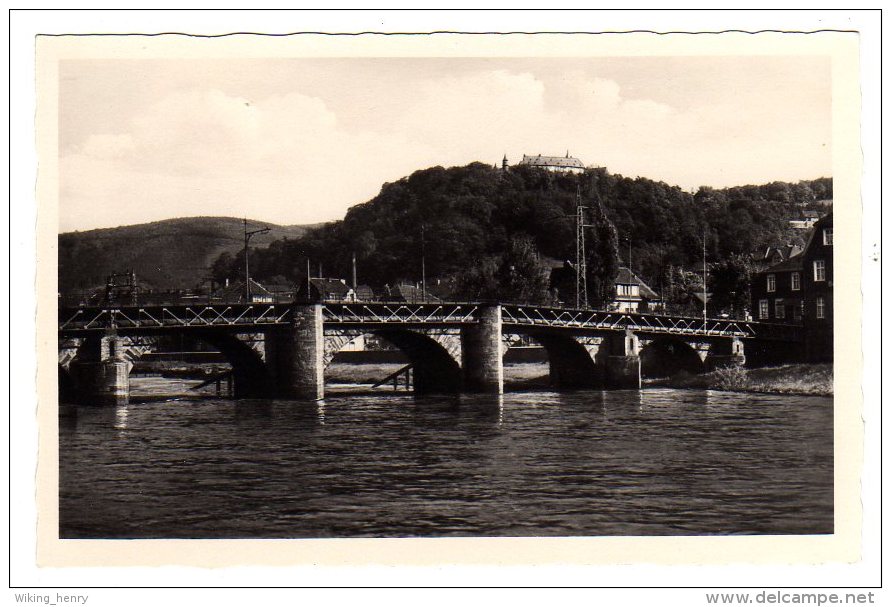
x=281, y=350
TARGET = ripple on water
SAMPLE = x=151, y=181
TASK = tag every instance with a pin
x=654, y=462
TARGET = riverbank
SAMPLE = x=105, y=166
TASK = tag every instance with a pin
x=516, y=376
x=812, y=380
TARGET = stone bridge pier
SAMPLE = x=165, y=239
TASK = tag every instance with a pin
x=295, y=356
x=100, y=373
x=728, y=352
x=481, y=353
x=622, y=361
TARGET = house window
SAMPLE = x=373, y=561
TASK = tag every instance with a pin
x=764, y=309
x=797, y=311
x=819, y=270
x=796, y=281
x=779, y=309
x=771, y=283
x=827, y=237
x=821, y=308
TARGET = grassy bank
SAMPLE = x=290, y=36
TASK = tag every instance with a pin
x=787, y=379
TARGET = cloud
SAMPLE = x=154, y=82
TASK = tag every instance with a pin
x=290, y=158
x=283, y=159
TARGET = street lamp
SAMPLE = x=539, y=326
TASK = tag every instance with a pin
x=247, y=272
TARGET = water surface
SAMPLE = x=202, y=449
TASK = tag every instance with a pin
x=650, y=462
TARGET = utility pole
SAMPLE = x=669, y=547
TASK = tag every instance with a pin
x=423, y=266
x=355, y=284
x=247, y=271
x=308, y=281
x=581, y=263
x=704, y=278
x=629, y=253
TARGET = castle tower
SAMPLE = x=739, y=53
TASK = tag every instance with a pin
x=504, y=163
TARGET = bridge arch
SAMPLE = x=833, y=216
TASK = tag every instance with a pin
x=572, y=360
x=249, y=371
x=434, y=356
x=667, y=356
x=251, y=377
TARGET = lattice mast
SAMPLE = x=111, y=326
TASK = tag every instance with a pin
x=581, y=263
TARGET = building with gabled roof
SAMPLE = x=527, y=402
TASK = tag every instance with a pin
x=633, y=294
x=774, y=255
x=409, y=293
x=234, y=292
x=776, y=292
x=817, y=270
x=326, y=289
x=364, y=293
x=799, y=290
x=556, y=164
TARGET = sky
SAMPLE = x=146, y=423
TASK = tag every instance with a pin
x=297, y=141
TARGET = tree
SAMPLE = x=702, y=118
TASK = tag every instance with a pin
x=522, y=275
x=602, y=254
x=223, y=267
x=487, y=230
x=730, y=281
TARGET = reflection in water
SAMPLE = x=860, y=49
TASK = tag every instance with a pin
x=652, y=462
x=251, y=409
x=120, y=417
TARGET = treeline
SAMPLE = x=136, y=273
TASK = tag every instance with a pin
x=483, y=232
x=169, y=254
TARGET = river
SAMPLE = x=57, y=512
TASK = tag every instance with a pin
x=649, y=462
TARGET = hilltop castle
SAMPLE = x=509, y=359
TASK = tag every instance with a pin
x=556, y=164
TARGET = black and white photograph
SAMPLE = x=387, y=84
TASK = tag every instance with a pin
x=426, y=297
x=446, y=286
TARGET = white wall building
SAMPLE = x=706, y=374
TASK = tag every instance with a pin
x=556, y=164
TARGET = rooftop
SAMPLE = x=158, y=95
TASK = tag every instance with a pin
x=329, y=287
x=786, y=251
x=789, y=265
x=626, y=277
x=552, y=161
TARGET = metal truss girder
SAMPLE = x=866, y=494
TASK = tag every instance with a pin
x=416, y=314
x=441, y=314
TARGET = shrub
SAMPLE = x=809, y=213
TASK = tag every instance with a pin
x=732, y=378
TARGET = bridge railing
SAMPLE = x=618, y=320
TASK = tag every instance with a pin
x=399, y=313
x=198, y=315
x=442, y=313
x=647, y=323
x=614, y=320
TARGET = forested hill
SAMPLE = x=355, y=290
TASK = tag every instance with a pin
x=174, y=253
x=485, y=232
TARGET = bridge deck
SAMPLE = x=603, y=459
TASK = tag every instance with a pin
x=74, y=321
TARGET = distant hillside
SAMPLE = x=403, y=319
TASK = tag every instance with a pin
x=174, y=253
x=484, y=232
